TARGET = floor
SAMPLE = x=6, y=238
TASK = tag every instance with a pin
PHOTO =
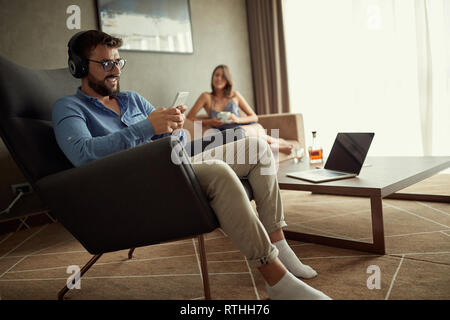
x=35, y=263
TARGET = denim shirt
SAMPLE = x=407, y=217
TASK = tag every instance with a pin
x=86, y=130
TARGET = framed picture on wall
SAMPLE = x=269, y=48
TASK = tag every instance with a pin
x=148, y=25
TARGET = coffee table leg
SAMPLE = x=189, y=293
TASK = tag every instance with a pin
x=377, y=224
x=377, y=246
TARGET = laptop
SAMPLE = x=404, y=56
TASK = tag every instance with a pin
x=345, y=160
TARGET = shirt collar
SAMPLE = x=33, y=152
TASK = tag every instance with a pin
x=81, y=94
x=121, y=97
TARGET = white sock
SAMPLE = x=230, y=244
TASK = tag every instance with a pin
x=292, y=288
x=291, y=261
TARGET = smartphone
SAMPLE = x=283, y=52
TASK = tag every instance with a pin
x=180, y=99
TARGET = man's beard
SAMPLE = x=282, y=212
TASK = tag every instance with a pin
x=100, y=87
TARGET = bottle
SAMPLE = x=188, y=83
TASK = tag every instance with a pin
x=315, y=151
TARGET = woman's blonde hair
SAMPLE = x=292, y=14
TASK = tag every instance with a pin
x=228, y=90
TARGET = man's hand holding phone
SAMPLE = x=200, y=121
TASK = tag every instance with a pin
x=166, y=120
x=182, y=109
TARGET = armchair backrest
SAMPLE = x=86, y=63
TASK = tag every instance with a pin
x=27, y=98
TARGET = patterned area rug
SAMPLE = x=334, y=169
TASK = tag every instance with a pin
x=35, y=263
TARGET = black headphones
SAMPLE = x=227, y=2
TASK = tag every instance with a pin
x=78, y=66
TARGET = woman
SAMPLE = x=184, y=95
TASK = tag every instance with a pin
x=224, y=98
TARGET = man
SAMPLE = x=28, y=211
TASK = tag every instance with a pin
x=100, y=120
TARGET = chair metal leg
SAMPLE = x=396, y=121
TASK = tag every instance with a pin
x=203, y=264
x=130, y=253
x=204, y=267
x=82, y=272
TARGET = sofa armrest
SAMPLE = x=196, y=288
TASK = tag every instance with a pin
x=132, y=198
x=290, y=125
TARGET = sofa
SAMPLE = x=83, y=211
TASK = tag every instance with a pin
x=290, y=126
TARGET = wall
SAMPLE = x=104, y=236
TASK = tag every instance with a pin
x=34, y=34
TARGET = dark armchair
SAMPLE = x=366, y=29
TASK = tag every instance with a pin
x=122, y=201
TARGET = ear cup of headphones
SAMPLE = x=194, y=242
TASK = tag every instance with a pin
x=78, y=66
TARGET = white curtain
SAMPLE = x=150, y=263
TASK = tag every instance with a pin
x=378, y=66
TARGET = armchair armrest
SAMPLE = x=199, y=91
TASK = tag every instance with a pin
x=290, y=125
x=132, y=198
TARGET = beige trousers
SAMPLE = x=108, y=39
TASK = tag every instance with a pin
x=218, y=171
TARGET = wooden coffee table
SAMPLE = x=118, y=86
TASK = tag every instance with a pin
x=380, y=178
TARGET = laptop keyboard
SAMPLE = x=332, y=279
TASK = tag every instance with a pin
x=327, y=173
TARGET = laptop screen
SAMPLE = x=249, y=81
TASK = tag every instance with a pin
x=349, y=152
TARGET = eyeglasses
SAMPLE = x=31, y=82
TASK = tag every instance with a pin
x=109, y=65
